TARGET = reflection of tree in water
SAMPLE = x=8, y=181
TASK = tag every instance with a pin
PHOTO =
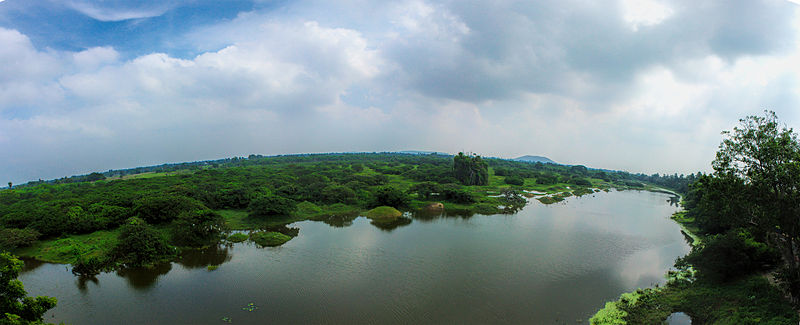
x=203, y=257
x=30, y=264
x=338, y=221
x=675, y=200
x=81, y=281
x=391, y=225
x=434, y=214
x=141, y=278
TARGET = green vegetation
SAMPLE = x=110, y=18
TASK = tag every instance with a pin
x=66, y=250
x=470, y=170
x=383, y=213
x=80, y=220
x=237, y=237
x=140, y=244
x=269, y=238
x=16, y=307
x=750, y=300
x=742, y=221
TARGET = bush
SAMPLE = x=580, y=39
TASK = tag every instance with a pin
x=730, y=256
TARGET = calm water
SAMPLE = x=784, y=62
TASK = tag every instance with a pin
x=555, y=264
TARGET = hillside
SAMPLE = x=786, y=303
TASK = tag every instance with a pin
x=541, y=159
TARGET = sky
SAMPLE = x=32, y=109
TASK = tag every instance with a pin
x=637, y=85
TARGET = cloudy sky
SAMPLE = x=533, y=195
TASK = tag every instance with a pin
x=637, y=85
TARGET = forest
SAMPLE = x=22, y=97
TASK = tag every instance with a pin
x=132, y=218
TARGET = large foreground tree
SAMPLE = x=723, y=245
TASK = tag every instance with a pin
x=15, y=306
x=763, y=159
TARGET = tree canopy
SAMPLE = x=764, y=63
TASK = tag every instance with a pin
x=470, y=170
x=16, y=306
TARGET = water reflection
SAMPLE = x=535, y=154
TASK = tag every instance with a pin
x=428, y=215
x=143, y=278
x=203, y=257
x=338, y=221
x=674, y=200
x=81, y=281
x=30, y=264
x=391, y=225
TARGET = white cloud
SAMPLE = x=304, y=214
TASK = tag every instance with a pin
x=638, y=13
x=644, y=89
x=113, y=11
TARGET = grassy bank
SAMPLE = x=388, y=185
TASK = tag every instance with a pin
x=748, y=300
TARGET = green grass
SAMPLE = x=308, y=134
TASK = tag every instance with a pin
x=750, y=300
x=241, y=220
x=65, y=250
x=688, y=226
x=269, y=238
x=383, y=213
x=237, y=237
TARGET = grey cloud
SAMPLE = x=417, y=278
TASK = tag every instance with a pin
x=577, y=48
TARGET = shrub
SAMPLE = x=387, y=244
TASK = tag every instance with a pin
x=730, y=256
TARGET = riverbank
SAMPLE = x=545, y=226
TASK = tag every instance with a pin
x=749, y=300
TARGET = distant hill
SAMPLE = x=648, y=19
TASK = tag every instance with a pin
x=534, y=159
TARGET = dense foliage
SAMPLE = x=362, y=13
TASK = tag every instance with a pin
x=747, y=213
x=470, y=170
x=755, y=186
x=15, y=306
x=140, y=244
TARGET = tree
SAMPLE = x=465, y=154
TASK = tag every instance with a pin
x=10, y=184
x=391, y=196
x=425, y=190
x=162, y=208
x=140, y=244
x=470, y=170
x=765, y=158
x=271, y=206
x=16, y=307
x=197, y=228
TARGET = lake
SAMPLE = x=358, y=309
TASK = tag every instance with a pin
x=547, y=264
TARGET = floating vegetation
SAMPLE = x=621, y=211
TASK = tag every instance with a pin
x=269, y=238
x=227, y=319
x=237, y=237
x=250, y=307
x=213, y=267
